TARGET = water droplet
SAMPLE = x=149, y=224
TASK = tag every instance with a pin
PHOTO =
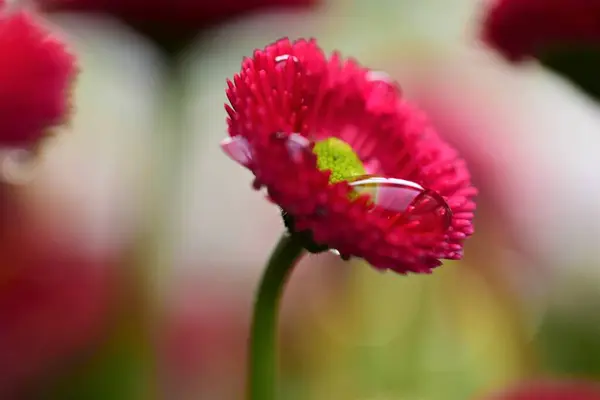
x=238, y=149
x=384, y=79
x=285, y=57
x=340, y=255
x=287, y=60
x=422, y=211
x=17, y=166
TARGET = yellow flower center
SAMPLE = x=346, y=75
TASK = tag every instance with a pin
x=337, y=156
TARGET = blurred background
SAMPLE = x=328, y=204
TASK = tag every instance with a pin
x=131, y=252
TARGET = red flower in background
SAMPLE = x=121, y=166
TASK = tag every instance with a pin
x=171, y=13
x=36, y=74
x=551, y=390
x=521, y=28
x=54, y=301
x=203, y=342
x=347, y=159
x=171, y=23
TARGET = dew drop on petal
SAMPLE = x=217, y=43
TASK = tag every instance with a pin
x=238, y=149
x=340, y=255
x=422, y=211
x=284, y=61
x=17, y=166
x=283, y=58
x=384, y=79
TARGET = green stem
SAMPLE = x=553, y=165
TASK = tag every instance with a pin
x=263, y=335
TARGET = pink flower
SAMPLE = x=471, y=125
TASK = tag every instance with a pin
x=36, y=74
x=54, y=302
x=353, y=166
x=522, y=28
x=203, y=341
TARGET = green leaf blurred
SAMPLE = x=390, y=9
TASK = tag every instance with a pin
x=444, y=336
x=569, y=344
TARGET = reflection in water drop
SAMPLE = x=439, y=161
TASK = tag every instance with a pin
x=422, y=211
x=17, y=166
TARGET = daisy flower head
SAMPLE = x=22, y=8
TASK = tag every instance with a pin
x=353, y=166
x=36, y=78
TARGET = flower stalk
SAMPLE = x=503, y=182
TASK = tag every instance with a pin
x=262, y=368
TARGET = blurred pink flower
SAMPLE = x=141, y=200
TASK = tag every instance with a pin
x=203, y=342
x=171, y=21
x=54, y=302
x=521, y=28
x=550, y=390
x=36, y=74
x=195, y=13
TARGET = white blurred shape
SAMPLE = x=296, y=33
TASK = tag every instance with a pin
x=533, y=140
x=227, y=229
x=91, y=171
x=18, y=166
